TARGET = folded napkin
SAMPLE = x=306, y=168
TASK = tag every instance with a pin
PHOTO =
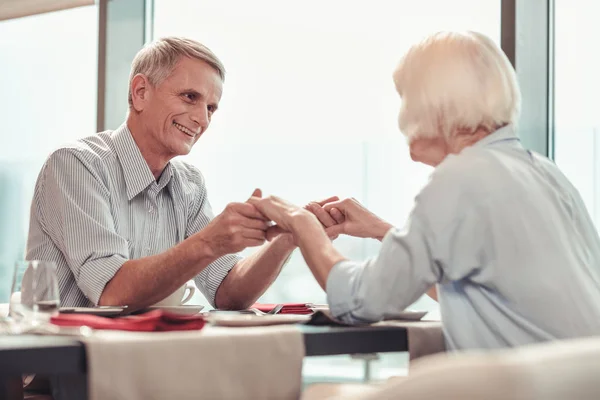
x=156, y=320
x=288, y=308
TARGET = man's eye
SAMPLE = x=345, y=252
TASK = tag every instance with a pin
x=211, y=109
x=190, y=96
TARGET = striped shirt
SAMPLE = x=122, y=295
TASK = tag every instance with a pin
x=97, y=204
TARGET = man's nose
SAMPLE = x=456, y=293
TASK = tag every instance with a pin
x=200, y=116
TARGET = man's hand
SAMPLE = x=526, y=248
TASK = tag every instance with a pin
x=240, y=225
x=355, y=220
x=308, y=233
x=315, y=207
x=283, y=213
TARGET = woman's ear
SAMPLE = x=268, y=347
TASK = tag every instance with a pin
x=139, y=92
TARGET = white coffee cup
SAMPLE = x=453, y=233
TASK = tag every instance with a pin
x=178, y=297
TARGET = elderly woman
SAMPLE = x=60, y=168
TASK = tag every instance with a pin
x=500, y=230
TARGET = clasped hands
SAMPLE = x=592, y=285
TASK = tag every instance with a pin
x=259, y=219
x=335, y=216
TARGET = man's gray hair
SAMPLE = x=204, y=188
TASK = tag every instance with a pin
x=158, y=59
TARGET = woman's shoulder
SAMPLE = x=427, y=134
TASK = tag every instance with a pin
x=456, y=182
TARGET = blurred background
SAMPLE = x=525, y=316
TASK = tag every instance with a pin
x=309, y=108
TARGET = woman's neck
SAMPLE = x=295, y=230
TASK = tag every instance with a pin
x=460, y=140
x=432, y=151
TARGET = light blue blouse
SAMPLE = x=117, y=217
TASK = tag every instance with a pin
x=507, y=239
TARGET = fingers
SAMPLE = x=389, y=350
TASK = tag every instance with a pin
x=253, y=223
x=339, y=205
x=258, y=234
x=335, y=230
x=316, y=207
x=327, y=200
x=247, y=209
x=254, y=202
x=337, y=210
x=337, y=215
x=257, y=193
x=321, y=214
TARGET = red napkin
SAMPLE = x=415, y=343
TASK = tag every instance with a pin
x=288, y=308
x=156, y=320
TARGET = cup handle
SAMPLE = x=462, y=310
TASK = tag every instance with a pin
x=189, y=286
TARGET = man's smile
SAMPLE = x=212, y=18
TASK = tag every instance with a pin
x=186, y=130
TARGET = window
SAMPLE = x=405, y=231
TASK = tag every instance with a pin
x=577, y=105
x=309, y=108
x=48, y=97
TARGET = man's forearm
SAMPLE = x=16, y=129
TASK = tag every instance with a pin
x=145, y=281
x=250, y=277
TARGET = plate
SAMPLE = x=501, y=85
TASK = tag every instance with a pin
x=100, y=311
x=406, y=315
x=185, y=309
x=255, y=320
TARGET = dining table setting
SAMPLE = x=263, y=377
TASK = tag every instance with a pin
x=178, y=350
x=181, y=352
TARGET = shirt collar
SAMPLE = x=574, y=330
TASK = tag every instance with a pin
x=506, y=133
x=135, y=168
x=165, y=177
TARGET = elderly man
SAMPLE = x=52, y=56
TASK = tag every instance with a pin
x=500, y=230
x=128, y=225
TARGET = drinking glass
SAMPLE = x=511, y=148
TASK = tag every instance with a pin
x=34, y=295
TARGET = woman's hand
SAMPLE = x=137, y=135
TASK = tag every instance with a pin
x=282, y=210
x=355, y=220
x=307, y=229
x=284, y=214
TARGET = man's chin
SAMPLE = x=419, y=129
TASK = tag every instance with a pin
x=181, y=150
x=185, y=152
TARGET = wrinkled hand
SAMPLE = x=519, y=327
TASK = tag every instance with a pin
x=278, y=210
x=327, y=218
x=240, y=225
x=355, y=220
x=282, y=212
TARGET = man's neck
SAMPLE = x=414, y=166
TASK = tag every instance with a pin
x=156, y=162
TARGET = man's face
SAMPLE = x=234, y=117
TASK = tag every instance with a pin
x=179, y=109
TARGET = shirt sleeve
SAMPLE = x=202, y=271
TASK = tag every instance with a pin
x=211, y=277
x=73, y=207
x=364, y=292
x=441, y=243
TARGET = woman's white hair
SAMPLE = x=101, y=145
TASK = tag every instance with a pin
x=456, y=83
x=157, y=59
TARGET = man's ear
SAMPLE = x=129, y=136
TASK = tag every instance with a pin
x=140, y=92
